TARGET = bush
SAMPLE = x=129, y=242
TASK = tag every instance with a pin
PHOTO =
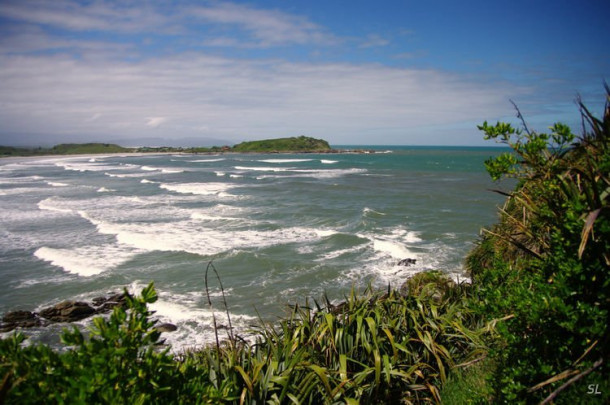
x=374, y=348
x=546, y=263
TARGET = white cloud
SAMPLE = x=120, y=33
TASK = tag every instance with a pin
x=77, y=16
x=155, y=122
x=236, y=99
x=374, y=40
x=267, y=27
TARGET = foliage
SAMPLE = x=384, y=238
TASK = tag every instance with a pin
x=372, y=348
x=293, y=144
x=65, y=149
x=546, y=264
x=469, y=384
x=117, y=364
x=87, y=148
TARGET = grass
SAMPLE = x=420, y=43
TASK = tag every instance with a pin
x=469, y=385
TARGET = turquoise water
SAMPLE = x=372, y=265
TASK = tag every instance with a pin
x=278, y=227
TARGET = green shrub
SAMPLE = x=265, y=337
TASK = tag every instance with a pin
x=117, y=364
x=546, y=265
x=374, y=348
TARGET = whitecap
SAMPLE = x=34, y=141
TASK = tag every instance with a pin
x=104, y=190
x=284, y=160
x=263, y=169
x=218, y=189
x=85, y=261
x=206, y=160
x=367, y=210
x=57, y=184
x=393, y=249
x=328, y=162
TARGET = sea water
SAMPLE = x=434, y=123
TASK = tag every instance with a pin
x=278, y=228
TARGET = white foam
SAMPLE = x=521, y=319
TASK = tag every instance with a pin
x=21, y=180
x=126, y=176
x=104, y=190
x=406, y=235
x=52, y=204
x=89, y=166
x=85, y=261
x=315, y=173
x=263, y=169
x=195, y=235
x=206, y=217
x=20, y=190
x=337, y=253
x=323, y=233
x=171, y=171
x=150, y=169
x=394, y=249
x=217, y=189
x=145, y=181
x=328, y=162
x=205, y=160
x=284, y=160
x=367, y=210
x=194, y=320
x=57, y=184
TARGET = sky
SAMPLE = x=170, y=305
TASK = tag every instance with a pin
x=395, y=72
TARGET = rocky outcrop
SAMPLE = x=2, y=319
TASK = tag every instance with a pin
x=406, y=262
x=69, y=311
x=166, y=327
x=66, y=311
x=107, y=304
x=20, y=319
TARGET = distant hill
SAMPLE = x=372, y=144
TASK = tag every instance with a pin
x=87, y=148
x=293, y=144
x=65, y=149
x=300, y=144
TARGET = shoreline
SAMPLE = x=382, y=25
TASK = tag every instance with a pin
x=137, y=154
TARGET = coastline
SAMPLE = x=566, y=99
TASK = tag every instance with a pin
x=138, y=154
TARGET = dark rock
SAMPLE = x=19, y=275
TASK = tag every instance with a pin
x=19, y=319
x=18, y=316
x=107, y=304
x=68, y=311
x=99, y=301
x=406, y=262
x=166, y=327
x=338, y=309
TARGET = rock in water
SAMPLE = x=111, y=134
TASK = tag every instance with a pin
x=19, y=319
x=68, y=311
x=406, y=262
x=166, y=327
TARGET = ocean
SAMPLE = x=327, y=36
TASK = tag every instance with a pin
x=279, y=228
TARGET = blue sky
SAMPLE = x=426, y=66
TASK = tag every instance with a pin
x=352, y=72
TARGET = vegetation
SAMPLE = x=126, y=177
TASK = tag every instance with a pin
x=294, y=144
x=532, y=327
x=299, y=144
x=65, y=149
x=373, y=348
x=545, y=267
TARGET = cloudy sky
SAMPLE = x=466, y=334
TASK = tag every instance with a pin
x=352, y=72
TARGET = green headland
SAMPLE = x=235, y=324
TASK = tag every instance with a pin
x=301, y=144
